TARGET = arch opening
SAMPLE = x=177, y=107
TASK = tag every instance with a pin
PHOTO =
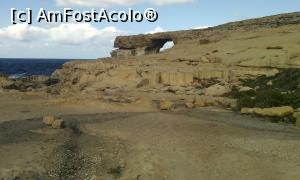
x=166, y=46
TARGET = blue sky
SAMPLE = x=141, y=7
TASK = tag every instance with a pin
x=41, y=40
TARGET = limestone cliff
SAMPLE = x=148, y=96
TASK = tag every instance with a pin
x=214, y=58
x=151, y=43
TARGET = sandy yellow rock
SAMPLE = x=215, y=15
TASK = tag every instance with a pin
x=166, y=105
x=190, y=105
x=58, y=124
x=48, y=120
x=296, y=115
x=216, y=90
x=271, y=112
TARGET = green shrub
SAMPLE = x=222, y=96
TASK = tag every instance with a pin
x=284, y=91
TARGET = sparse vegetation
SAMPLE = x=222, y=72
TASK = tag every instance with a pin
x=283, y=89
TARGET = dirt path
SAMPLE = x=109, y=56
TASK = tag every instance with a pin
x=199, y=144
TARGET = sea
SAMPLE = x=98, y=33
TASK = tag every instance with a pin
x=18, y=68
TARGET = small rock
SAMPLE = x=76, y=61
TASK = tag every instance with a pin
x=190, y=105
x=48, y=120
x=296, y=115
x=166, y=105
x=58, y=124
x=269, y=83
x=244, y=88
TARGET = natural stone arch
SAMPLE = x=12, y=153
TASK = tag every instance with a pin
x=156, y=45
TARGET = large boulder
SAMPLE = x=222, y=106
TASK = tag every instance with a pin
x=270, y=112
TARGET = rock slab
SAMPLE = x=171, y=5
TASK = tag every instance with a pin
x=270, y=112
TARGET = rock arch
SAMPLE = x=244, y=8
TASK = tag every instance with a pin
x=140, y=44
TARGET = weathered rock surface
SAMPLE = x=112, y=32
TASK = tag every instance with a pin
x=166, y=105
x=271, y=112
x=151, y=43
x=48, y=120
x=4, y=81
x=26, y=83
x=217, y=90
x=58, y=124
x=202, y=65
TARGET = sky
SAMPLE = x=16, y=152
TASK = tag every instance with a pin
x=93, y=40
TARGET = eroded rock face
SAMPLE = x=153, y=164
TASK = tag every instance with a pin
x=217, y=90
x=202, y=65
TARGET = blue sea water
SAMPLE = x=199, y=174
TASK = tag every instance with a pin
x=17, y=68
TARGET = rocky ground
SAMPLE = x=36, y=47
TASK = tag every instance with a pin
x=145, y=114
x=205, y=143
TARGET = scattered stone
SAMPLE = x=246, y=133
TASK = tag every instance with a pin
x=166, y=105
x=296, y=115
x=48, y=120
x=244, y=88
x=270, y=112
x=58, y=124
x=270, y=83
x=120, y=99
x=109, y=91
x=216, y=90
x=190, y=105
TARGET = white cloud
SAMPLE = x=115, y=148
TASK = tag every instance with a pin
x=61, y=41
x=76, y=34
x=63, y=34
x=22, y=32
x=156, y=30
x=102, y=3
x=72, y=34
x=201, y=27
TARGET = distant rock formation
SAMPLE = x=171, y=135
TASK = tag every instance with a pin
x=151, y=43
